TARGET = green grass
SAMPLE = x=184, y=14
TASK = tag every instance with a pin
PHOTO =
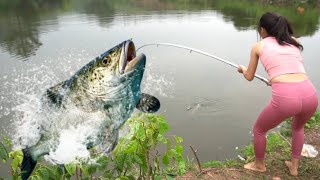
x=275, y=143
x=313, y=123
x=220, y=164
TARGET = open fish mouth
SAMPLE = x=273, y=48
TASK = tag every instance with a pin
x=128, y=59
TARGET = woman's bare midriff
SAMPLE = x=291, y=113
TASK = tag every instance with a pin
x=290, y=78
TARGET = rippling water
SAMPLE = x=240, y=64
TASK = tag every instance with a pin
x=205, y=101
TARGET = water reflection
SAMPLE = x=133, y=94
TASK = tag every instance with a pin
x=21, y=22
x=19, y=38
x=304, y=16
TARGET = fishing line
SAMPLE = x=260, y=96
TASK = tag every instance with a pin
x=203, y=53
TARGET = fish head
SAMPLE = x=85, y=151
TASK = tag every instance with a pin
x=112, y=76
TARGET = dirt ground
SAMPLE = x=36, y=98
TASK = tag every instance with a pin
x=276, y=169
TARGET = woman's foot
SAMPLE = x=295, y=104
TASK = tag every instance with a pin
x=255, y=167
x=293, y=169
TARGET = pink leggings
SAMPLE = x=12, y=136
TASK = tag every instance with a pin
x=297, y=100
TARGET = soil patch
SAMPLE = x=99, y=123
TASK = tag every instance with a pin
x=276, y=169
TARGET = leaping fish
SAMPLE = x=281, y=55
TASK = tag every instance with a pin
x=108, y=87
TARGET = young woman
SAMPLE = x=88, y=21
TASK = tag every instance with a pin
x=293, y=94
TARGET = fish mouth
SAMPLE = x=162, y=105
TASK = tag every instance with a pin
x=128, y=59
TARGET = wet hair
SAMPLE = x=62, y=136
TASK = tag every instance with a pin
x=278, y=27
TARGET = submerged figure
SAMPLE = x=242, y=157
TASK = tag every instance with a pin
x=293, y=94
x=103, y=94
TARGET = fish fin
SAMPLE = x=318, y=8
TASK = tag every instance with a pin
x=148, y=103
x=28, y=164
x=53, y=93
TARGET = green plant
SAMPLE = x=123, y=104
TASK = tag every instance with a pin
x=139, y=147
x=220, y=164
x=215, y=164
x=248, y=152
x=313, y=122
x=191, y=165
x=136, y=156
x=16, y=162
x=14, y=157
x=4, y=155
x=275, y=142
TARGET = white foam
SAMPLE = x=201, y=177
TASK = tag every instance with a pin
x=71, y=146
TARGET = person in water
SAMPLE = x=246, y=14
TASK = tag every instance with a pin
x=293, y=94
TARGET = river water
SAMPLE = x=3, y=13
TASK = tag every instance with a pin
x=205, y=101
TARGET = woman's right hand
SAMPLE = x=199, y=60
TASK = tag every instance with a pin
x=241, y=68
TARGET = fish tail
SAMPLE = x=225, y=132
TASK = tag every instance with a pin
x=28, y=164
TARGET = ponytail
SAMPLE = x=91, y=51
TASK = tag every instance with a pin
x=279, y=27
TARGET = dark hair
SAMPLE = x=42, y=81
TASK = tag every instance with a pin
x=278, y=27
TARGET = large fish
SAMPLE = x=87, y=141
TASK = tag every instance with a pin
x=104, y=92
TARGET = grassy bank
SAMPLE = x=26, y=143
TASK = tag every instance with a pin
x=278, y=150
x=137, y=157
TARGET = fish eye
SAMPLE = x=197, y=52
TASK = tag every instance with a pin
x=106, y=61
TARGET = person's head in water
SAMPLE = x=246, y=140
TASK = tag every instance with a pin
x=272, y=24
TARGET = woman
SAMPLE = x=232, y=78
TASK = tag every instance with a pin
x=293, y=94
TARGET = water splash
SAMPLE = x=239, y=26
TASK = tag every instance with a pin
x=25, y=117
x=20, y=94
x=74, y=134
x=157, y=83
x=70, y=148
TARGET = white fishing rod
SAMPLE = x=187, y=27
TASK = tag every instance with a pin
x=203, y=53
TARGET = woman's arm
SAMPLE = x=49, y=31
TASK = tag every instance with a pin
x=249, y=72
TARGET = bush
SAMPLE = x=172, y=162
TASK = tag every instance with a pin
x=135, y=156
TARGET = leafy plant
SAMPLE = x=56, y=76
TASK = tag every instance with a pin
x=137, y=155
x=140, y=147
x=4, y=155
x=16, y=162
x=14, y=157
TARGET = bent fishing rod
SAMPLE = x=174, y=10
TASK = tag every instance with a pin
x=203, y=53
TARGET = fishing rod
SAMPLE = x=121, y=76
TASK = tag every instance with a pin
x=203, y=53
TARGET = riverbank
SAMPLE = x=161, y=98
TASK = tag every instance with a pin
x=278, y=150
x=133, y=159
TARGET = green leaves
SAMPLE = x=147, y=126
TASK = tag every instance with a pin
x=17, y=157
x=47, y=172
x=71, y=168
x=43, y=172
x=135, y=156
x=163, y=125
x=179, y=149
x=4, y=155
x=146, y=134
x=3, y=152
x=140, y=132
x=166, y=159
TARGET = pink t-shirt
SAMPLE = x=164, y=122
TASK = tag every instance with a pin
x=280, y=59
